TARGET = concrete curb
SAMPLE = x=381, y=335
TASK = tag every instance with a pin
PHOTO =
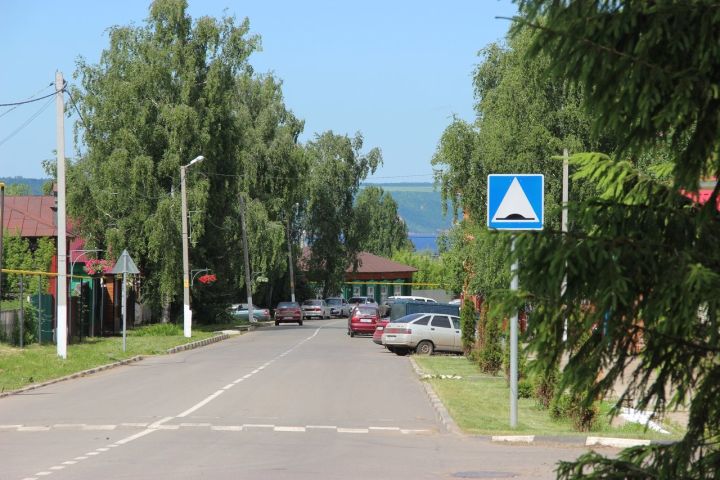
x=100, y=368
x=437, y=404
x=198, y=344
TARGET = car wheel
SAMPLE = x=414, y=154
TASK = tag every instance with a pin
x=352, y=334
x=401, y=352
x=390, y=348
x=277, y=323
x=424, y=348
x=300, y=323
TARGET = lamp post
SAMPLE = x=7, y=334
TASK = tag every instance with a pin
x=2, y=229
x=187, y=313
x=290, y=260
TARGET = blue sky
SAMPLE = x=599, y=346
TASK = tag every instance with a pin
x=394, y=70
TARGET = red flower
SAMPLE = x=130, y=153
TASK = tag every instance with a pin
x=94, y=266
x=207, y=278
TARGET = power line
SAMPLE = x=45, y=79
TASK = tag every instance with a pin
x=33, y=96
x=13, y=104
x=28, y=121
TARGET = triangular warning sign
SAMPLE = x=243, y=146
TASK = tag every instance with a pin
x=515, y=206
x=125, y=264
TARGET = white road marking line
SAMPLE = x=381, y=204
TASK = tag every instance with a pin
x=68, y=425
x=194, y=424
x=247, y=376
x=238, y=380
x=289, y=429
x=57, y=467
x=257, y=425
x=392, y=429
x=229, y=428
x=134, y=437
x=201, y=404
x=80, y=458
x=99, y=427
x=30, y=478
x=102, y=449
x=33, y=429
x=160, y=422
x=113, y=446
x=321, y=427
x=70, y=462
x=228, y=386
x=10, y=427
x=134, y=424
x=168, y=427
x=352, y=430
x=93, y=453
x=406, y=431
x=42, y=474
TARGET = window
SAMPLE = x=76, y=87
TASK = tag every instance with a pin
x=397, y=289
x=441, y=321
x=456, y=322
x=383, y=293
x=423, y=321
x=356, y=290
x=371, y=291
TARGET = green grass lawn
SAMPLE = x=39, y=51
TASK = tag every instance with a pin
x=480, y=404
x=38, y=363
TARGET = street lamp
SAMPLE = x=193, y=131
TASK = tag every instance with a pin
x=187, y=313
x=290, y=260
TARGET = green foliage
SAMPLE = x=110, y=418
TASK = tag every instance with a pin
x=161, y=94
x=545, y=386
x=490, y=355
x=430, y=269
x=584, y=417
x=17, y=189
x=525, y=388
x=158, y=330
x=376, y=214
x=337, y=167
x=468, y=323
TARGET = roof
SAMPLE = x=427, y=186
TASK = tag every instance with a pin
x=369, y=263
x=30, y=215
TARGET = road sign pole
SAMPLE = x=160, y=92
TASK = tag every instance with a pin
x=514, y=345
x=124, y=309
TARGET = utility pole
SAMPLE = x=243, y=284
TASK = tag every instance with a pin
x=290, y=260
x=61, y=330
x=248, y=282
x=2, y=230
x=564, y=225
x=187, y=312
x=514, y=345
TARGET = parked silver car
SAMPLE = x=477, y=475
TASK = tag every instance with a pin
x=424, y=333
x=315, y=308
x=339, y=307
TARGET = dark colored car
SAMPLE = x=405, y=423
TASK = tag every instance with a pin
x=363, y=319
x=288, y=312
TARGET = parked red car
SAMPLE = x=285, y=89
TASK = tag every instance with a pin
x=379, y=329
x=363, y=319
x=288, y=312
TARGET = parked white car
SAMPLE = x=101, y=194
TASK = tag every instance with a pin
x=411, y=298
x=315, y=308
x=423, y=333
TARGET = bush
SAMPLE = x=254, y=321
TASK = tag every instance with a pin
x=467, y=325
x=490, y=356
x=569, y=406
x=525, y=389
x=545, y=385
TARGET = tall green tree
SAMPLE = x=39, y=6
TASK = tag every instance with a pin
x=378, y=224
x=337, y=167
x=163, y=93
x=640, y=253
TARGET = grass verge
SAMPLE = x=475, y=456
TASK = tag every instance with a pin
x=39, y=363
x=480, y=404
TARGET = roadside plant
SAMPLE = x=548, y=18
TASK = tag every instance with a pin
x=468, y=320
x=98, y=266
x=490, y=356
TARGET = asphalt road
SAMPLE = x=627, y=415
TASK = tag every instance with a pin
x=282, y=402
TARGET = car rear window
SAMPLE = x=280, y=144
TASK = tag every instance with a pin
x=333, y=301
x=312, y=302
x=408, y=318
x=423, y=321
x=288, y=305
x=441, y=321
x=367, y=310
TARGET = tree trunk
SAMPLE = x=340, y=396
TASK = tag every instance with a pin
x=166, y=309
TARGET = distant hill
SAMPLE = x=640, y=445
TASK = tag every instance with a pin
x=34, y=183
x=419, y=205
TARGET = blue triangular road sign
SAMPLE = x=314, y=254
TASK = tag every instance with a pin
x=515, y=202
